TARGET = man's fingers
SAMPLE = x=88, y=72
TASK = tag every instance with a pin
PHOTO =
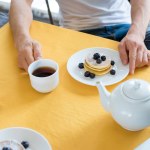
x=25, y=56
x=139, y=57
x=132, y=59
x=145, y=58
x=29, y=56
x=25, y=65
x=135, y=50
x=29, y=51
x=123, y=53
x=36, y=50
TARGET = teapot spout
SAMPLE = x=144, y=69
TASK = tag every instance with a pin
x=104, y=96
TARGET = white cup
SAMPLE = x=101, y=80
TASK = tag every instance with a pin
x=44, y=84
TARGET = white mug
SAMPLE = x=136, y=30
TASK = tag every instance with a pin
x=44, y=84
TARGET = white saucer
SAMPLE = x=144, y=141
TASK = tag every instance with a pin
x=78, y=74
x=35, y=139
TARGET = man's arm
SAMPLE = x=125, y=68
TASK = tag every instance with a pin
x=140, y=14
x=20, y=21
x=132, y=48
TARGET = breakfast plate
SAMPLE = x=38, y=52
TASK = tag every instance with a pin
x=36, y=140
x=107, y=79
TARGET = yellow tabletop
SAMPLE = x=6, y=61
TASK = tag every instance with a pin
x=71, y=117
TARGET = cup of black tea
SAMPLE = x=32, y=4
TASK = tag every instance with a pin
x=44, y=75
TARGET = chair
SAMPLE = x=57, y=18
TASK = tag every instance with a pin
x=49, y=12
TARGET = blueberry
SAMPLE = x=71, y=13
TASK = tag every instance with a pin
x=6, y=148
x=112, y=72
x=87, y=74
x=81, y=65
x=96, y=56
x=103, y=58
x=25, y=144
x=92, y=75
x=112, y=62
x=98, y=61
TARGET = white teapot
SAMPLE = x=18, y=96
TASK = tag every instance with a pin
x=129, y=103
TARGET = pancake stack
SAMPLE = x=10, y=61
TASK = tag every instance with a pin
x=97, y=64
x=11, y=145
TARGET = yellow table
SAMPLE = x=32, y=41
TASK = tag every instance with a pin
x=71, y=117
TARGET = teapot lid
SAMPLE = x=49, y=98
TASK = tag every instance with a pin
x=136, y=89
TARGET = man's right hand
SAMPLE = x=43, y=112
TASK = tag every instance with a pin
x=29, y=50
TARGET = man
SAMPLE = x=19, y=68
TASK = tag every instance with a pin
x=107, y=18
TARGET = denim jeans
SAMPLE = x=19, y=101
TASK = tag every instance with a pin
x=3, y=19
x=116, y=32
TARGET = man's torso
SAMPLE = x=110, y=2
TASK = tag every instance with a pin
x=89, y=14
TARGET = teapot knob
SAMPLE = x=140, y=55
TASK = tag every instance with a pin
x=137, y=89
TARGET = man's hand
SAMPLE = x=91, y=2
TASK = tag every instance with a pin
x=133, y=51
x=132, y=48
x=29, y=50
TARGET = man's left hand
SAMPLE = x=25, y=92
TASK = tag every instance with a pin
x=133, y=51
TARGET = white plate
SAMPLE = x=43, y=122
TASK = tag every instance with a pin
x=78, y=74
x=35, y=139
